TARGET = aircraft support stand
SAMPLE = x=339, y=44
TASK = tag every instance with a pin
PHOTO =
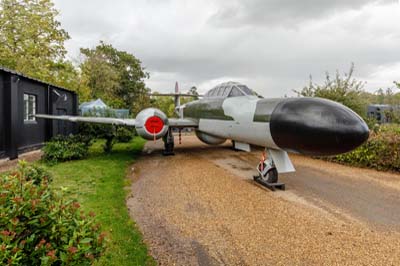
x=168, y=143
x=267, y=173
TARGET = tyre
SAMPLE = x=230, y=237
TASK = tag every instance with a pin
x=271, y=176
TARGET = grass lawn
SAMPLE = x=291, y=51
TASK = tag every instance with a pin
x=99, y=184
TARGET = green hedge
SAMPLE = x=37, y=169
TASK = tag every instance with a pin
x=381, y=151
x=65, y=148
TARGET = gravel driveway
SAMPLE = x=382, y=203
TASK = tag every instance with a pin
x=201, y=207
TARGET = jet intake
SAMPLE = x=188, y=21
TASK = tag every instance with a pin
x=151, y=123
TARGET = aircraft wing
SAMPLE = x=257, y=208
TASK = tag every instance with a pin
x=182, y=122
x=173, y=122
x=88, y=119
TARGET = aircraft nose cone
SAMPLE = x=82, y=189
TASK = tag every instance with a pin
x=316, y=126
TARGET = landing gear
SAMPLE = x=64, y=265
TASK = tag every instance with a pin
x=267, y=173
x=168, y=143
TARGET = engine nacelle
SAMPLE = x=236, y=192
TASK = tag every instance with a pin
x=209, y=139
x=151, y=123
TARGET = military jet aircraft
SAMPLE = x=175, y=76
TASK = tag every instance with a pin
x=310, y=126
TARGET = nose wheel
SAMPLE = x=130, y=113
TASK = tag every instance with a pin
x=267, y=173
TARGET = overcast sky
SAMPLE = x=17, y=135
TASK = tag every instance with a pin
x=270, y=45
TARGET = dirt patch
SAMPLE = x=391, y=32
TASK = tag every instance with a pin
x=6, y=164
x=195, y=208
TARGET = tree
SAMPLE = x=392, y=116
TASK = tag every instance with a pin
x=193, y=91
x=346, y=90
x=165, y=104
x=115, y=76
x=397, y=95
x=380, y=96
x=32, y=41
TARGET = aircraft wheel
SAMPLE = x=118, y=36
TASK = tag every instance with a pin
x=271, y=176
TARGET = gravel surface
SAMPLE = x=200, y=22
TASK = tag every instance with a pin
x=201, y=207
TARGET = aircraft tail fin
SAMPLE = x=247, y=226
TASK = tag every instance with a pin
x=177, y=98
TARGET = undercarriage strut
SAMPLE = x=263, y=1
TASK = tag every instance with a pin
x=267, y=173
x=168, y=143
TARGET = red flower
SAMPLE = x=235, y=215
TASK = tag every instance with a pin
x=15, y=250
x=101, y=237
x=52, y=254
x=17, y=199
x=89, y=256
x=72, y=250
x=34, y=203
x=41, y=243
x=5, y=233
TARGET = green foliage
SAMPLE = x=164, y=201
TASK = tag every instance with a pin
x=397, y=84
x=35, y=173
x=193, y=91
x=346, y=90
x=66, y=148
x=115, y=76
x=165, y=104
x=110, y=133
x=388, y=96
x=32, y=40
x=372, y=123
x=99, y=183
x=124, y=135
x=39, y=227
x=381, y=151
x=99, y=131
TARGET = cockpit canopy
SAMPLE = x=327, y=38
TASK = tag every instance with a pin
x=230, y=89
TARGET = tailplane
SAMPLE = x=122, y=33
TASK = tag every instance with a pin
x=177, y=99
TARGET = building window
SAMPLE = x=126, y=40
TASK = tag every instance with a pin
x=29, y=107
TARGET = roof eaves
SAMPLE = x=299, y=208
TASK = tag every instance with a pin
x=33, y=79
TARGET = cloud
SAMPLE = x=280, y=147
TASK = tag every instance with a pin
x=288, y=13
x=185, y=41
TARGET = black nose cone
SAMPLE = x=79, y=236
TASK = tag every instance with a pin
x=316, y=126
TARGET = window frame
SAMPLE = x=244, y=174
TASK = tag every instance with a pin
x=233, y=89
x=30, y=108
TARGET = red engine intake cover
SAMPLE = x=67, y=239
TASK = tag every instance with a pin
x=154, y=124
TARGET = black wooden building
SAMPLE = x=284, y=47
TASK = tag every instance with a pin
x=21, y=98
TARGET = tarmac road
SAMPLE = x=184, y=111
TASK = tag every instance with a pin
x=201, y=207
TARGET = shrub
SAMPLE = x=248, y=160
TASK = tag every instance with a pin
x=62, y=148
x=124, y=134
x=110, y=133
x=39, y=227
x=99, y=131
x=381, y=151
x=36, y=174
x=341, y=88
